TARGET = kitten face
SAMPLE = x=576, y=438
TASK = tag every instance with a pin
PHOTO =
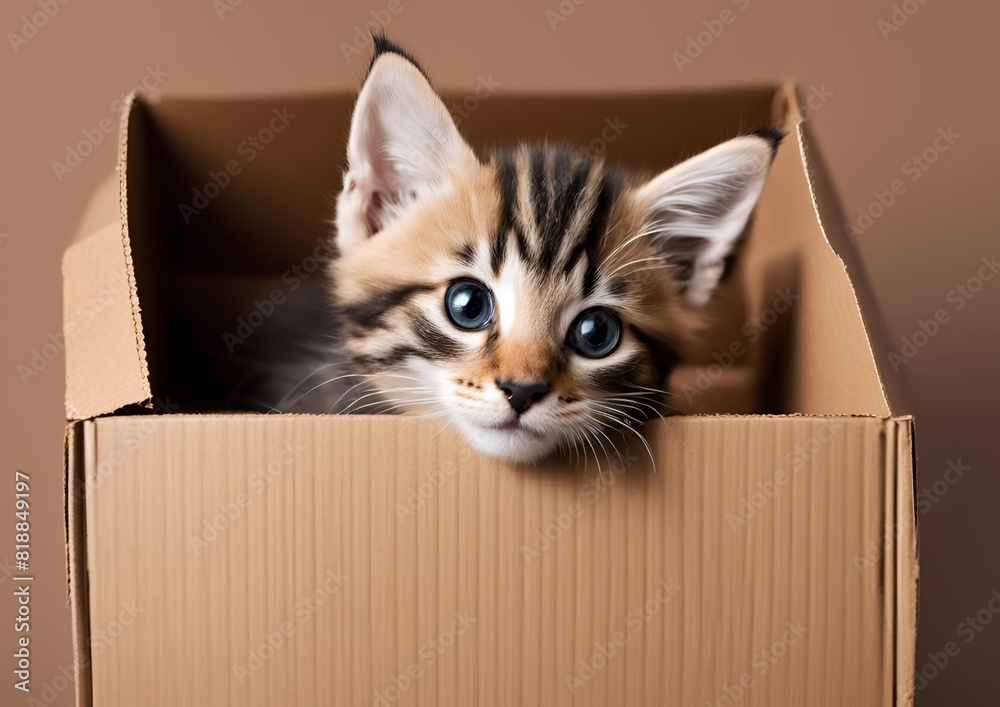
x=535, y=297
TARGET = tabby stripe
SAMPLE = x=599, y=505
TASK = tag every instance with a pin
x=664, y=355
x=434, y=346
x=570, y=199
x=492, y=341
x=539, y=188
x=566, y=182
x=466, y=254
x=574, y=257
x=380, y=361
x=498, y=249
x=438, y=345
x=523, y=207
x=584, y=228
x=615, y=376
x=507, y=181
x=523, y=249
x=371, y=313
x=618, y=286
x=594, y=232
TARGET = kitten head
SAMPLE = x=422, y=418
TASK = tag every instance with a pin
x=535, y=297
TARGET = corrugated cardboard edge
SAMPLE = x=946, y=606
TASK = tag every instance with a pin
x=77, y=448
x=131, y=386
x=906, y=568
x=829, y=214
x=131, y=106
x=900, y=569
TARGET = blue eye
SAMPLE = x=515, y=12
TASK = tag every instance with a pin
x=595, y=333
x=469, y=305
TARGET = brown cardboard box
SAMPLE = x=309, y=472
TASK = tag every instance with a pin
x=767, y=557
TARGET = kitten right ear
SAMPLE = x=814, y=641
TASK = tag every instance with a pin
x=403, y=144
x=697, y=210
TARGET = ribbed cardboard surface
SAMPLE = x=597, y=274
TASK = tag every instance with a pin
x=325, y=560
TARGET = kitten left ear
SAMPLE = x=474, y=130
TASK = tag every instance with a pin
x=697, y=210
x=403, y=144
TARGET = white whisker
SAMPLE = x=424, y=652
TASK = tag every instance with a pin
x=624, y=426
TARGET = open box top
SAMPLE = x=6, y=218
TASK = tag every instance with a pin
x=150, y=288
x=143, y=277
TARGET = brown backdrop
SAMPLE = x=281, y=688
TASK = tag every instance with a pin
x=886, y=76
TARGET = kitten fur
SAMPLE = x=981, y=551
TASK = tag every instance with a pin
x=549, y=231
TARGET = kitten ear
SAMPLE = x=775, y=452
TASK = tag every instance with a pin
x=403, y=144
x=697, y=210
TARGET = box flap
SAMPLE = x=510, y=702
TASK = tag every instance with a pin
x=105, y=350
x=830, y=215
x=814, y=355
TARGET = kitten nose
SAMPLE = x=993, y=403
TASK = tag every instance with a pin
x=522, y=395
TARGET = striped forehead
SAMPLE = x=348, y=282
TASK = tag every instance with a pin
x=554, y=207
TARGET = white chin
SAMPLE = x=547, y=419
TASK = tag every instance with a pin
x=510, y=445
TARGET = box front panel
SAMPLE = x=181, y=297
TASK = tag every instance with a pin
x=377, y=561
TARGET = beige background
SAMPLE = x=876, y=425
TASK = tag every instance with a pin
x=886, y=99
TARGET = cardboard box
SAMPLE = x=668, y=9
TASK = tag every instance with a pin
x=224, y=558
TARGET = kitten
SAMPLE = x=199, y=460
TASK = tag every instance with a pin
x=534, y=297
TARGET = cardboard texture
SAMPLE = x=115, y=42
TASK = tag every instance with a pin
x=763, y=556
